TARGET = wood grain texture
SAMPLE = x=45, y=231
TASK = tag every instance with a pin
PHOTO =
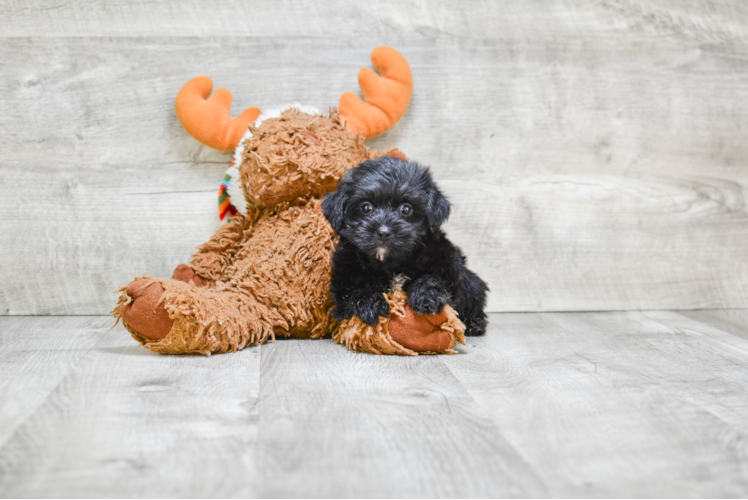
x=733, y=321
x=605, y=241
x=536, y=19
x=634, y=404
x=335, y=423
x=594, y=152
x=616, y=404
x=130, y=423
x=35, y=355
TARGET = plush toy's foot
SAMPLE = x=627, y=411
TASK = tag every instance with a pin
x=421, y=332
x=403, y=332
x=144, y=312
x=177, y=316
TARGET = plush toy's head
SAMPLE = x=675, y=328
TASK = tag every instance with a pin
x=297, y=153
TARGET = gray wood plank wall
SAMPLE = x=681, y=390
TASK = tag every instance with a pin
x=594, y=151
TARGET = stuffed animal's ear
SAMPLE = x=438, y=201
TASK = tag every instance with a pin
x=438, y=209
x=333, y=207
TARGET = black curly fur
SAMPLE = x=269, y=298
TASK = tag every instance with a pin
x=386, y=242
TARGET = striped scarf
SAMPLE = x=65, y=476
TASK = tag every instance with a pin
x=225, y=208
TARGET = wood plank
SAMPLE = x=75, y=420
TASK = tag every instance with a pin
x=130, y=423
x=386, y=18
x=334, y=423
x=236, y=18
x=602, y=242
x=732, y=321
x=615, y=404
x=484, y=109
x=602, y=171
x=36, y=353
x=93, y=232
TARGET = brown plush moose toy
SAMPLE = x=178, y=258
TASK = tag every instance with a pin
x=266, y=272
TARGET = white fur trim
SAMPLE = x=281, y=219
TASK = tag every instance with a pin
x=235, y=191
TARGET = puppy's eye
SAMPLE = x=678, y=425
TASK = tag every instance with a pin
x=366, y=208
x=406, y=209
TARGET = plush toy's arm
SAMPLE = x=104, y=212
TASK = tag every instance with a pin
x=213, y=256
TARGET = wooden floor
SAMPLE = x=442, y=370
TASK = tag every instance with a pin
x=546, y=404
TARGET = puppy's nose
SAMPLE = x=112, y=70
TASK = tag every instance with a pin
x=384, y=232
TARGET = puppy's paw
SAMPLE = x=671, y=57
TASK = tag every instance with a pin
x=340, y=312
x=368, y=307
x=426, y=296
x=474, y=327
x=428, y=303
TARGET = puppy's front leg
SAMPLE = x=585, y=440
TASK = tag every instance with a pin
x=357, y=288
x=365, y=303
x=368, y=305
x=427, y=295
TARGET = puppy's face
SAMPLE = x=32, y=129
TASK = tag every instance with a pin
x=385, y=207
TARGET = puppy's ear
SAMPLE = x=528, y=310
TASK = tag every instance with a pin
x=438, y=210
x=333, y=207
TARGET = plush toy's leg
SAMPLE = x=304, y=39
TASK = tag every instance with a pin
x=143, y=311
x=404, y=332
x=174, y=317
x=141, y=308
x=218, y=253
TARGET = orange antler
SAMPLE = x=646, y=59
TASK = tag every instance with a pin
x=387, y=97
x=208, y=119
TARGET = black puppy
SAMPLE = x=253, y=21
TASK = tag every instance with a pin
x=388, y=213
